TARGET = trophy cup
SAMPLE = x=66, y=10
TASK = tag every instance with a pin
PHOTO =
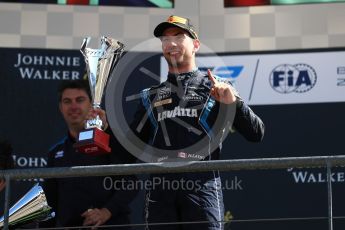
x=32, y=207
x=99, y=64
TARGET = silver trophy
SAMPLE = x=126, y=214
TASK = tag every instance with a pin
x=99, y=63
x=31, y=207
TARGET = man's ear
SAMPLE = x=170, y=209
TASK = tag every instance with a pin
x=196, y=44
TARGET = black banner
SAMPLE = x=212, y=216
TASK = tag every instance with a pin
x=30, y=117
x=32, y=122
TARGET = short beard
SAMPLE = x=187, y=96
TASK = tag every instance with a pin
x=174, y=64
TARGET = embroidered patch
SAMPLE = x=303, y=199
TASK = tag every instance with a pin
x=163, y=102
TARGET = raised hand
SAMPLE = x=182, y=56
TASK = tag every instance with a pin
x=94, y=112
x=221, y=91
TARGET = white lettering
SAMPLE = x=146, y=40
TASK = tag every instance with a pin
x=27, y=60
x=18, y=60
x=341, y=177
x=46, y=60
x=162, y=159
x=307, y=177
x=183, y=112
x=26, y=73
x=170, y=113
x=37, y=75
x=38, y=60
x=22, y=162
x=33, y=161
x=194, y=113
x=65, y=75
x=299, y=176
x=177, y=112
x=192, y=155
x=75, y=75
x=31, y=73
x=188, y=112
x=30, y=161
x=312, y=178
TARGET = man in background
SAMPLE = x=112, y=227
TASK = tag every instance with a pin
x=85, y=201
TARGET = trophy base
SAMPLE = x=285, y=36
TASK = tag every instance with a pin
x=93, y=142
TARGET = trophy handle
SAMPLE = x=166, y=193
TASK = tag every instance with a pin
x=84, y=45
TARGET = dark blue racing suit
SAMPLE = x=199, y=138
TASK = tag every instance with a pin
x=70, y=197
x=182, y=122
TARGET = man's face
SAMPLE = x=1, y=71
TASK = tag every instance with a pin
x=74, y=106
x=178, y=48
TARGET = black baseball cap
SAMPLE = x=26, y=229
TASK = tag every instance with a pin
x=176, y=21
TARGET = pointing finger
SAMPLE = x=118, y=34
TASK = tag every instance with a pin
x=210, y=76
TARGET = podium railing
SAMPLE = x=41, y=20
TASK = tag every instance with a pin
x=195, y=166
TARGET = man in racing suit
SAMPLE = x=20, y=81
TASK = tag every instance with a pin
x=184, y=119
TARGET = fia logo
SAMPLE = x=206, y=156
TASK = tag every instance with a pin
x=298, y=78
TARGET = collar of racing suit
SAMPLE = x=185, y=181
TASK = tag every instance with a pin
x=173, y=77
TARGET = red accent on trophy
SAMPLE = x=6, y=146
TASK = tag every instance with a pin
x=93, y=142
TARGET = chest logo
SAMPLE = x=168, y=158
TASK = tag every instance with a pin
x=163, y=93
x=177, y=112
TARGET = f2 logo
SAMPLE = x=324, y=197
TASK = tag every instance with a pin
x=225, y=73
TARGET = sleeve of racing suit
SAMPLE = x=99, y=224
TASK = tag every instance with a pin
x=247, y=122
x=141, y=125
x=122, y=197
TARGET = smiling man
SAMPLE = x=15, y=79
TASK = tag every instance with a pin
x=185, y=119
x=85, y=201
